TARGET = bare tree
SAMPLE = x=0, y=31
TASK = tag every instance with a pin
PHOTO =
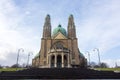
x=93, y=64
x=15, y=65
x=1, y=66
x=104, y=65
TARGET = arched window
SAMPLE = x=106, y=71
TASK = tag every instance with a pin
x=58, y=45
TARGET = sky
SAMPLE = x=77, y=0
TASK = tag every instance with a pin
x=97, y=25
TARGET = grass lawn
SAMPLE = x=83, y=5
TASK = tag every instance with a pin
x=10, y=69
x=104, y=69
x=108, y=69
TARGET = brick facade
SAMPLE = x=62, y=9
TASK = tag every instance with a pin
x=65, y=53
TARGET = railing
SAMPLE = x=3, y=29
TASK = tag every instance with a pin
x=59, y=50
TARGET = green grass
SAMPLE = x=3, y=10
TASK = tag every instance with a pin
x=103, y=69
x=10, y=69
x=108, y=69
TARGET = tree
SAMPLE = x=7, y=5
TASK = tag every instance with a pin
x=103, y=65
x=1, y=66
x=93, y=64
x=23, y=65
x=96, y=66
x=15, y=65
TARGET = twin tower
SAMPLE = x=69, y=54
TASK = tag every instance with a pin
x=59, y=49
x=47, y=28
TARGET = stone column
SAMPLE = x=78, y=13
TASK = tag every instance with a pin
x=39, y=62
x=62, y=60
x=49, y=61
x=55, y=60
x=68, y=58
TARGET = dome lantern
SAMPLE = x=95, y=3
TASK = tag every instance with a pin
x=59, y=29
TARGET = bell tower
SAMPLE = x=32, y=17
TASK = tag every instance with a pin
x=47, y=28
x=71, y=28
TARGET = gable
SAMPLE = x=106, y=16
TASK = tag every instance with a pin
x=59, y=36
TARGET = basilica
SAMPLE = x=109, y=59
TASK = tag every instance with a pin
x=59, y=48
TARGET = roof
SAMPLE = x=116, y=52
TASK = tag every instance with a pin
x=81, y=54
x=59, y=29
x=37, y=55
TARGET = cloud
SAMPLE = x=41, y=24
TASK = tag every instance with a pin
x=21, y=24
x=12, y=37
x=103, y=29
x=100, y=29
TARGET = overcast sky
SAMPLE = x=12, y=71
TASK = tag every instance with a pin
x=97, y=26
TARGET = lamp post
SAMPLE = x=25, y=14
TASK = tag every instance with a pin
x=21, y=49
x=88, y=57
x=28, y=58
x=116, y=65
x=98, y=56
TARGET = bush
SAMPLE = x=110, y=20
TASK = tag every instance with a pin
x=15, y=66
x=1, y=66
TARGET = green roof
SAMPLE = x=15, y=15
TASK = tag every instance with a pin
x=37, y=55
x=59, y=29
x=80, y=53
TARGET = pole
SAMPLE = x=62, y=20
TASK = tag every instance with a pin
x=98, y=56
x=88, y=58
x=21, y=49
x=28, y=59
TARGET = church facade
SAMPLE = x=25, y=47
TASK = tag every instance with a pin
x=59, y=49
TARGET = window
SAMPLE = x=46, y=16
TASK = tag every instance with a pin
x=58, y=45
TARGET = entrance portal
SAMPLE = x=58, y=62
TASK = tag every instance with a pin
x=59, y=61
x=52, y=61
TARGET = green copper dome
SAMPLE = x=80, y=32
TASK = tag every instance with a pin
x=59, y=29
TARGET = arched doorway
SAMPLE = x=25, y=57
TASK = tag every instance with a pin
x=59, y=61
x=52, y=61
x=65, y=61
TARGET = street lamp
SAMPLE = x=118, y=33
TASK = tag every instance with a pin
x=28, y=58
x=98, y=55
x=88, y=57
x=116, y=65
x=21, y=49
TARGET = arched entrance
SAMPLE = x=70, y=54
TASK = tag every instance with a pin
x=65, y=61
x=59, y=61
x=52, y=61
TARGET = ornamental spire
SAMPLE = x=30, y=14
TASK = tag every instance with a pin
x=47, y=19
x=47, y=27
x=71, y=27
x=71, y=20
